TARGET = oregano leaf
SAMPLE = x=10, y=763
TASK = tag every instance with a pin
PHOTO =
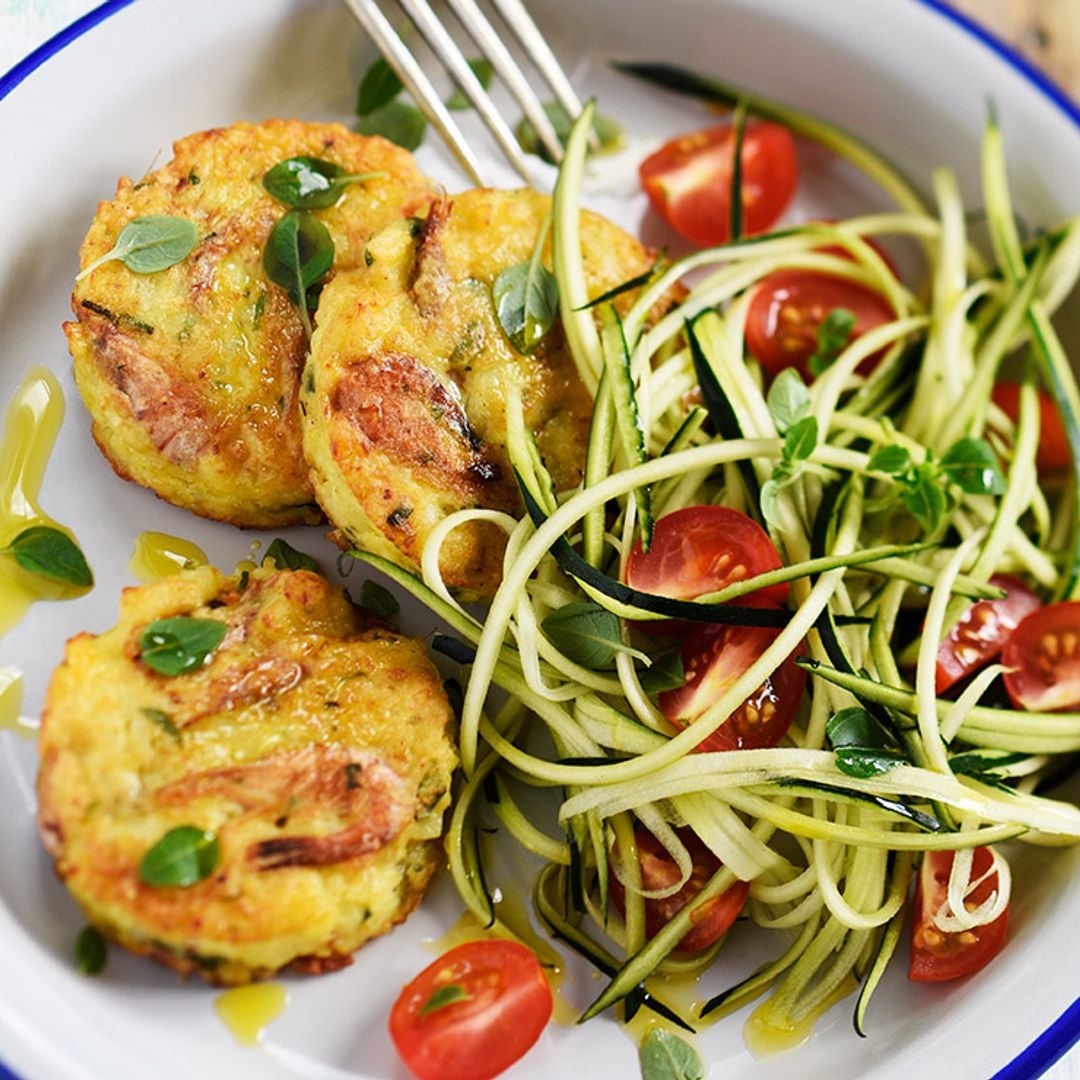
x=149, y=244
x=179, y=645
x=48, y=552
x=181, y=858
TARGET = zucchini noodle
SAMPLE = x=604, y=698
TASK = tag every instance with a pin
x=884, y=550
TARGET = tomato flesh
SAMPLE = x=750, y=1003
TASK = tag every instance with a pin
x=713, y=658
x=980, y=633
x=700, y=550
x=711, y=920
x=1042, y=659
x=1053, y=454
x=938, y=955
x=789, y=306
x=688, y=180
x=472, y=1013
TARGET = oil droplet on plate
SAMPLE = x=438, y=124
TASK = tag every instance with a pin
x=157, y=555
x=248, y=1010
x=11, y=719
x=769, y=1032
x=682, y=993
x=31, y=423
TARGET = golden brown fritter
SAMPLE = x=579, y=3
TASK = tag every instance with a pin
x=404, y=396
x=191, y=374
x=315, y=743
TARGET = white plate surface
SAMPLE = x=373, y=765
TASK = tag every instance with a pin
x=900, y=74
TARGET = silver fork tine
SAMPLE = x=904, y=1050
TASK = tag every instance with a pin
x=444, y=47
x=526, y=31
x=492, y=47
x=416, y=82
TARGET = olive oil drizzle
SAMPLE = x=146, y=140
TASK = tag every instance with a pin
x=31, y=423
x=157, y=555
x=247, y=1011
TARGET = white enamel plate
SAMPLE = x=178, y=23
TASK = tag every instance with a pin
x=907, y=76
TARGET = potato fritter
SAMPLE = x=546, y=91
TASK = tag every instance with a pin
x=404, y=395
x=314, y=743
x=190, y=374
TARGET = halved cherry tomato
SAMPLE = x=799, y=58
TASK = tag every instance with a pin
x=938, y=955
x=981, y=632
x=1042, y=659
x=789, y=306
x=713, y=658
x=703, y=549
x=688, y=180
x=1053, y=453
x=472, y=1013
x=658, y=871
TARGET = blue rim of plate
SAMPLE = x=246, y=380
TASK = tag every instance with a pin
x=1053, y=1043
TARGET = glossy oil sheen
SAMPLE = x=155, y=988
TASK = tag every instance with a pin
x=247, y=1011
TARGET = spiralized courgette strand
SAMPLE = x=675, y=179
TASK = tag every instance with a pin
x=884, y=550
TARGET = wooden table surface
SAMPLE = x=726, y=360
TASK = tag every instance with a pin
x=1046, y=31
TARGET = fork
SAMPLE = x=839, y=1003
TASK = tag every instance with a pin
x=492, y=47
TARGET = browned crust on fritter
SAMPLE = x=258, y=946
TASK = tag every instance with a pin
x=315, y=744
x=191, y=374
x=406, y=391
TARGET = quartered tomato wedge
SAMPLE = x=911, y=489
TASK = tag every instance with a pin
x=938, y=955
x=688, y=180
x=1053, y=453
x=1042, y=659
x=980, y=633
x=789, y=306
x=658, y=871
x=713, y=658
x=472, y=1013
x=703, y=549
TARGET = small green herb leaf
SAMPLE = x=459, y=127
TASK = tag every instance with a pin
x=788, y=399
x=183, y=856
x=891, y=459
x=149, y=244
x=375, y=597
x=665, y=1056
x=924, y=496
x=833, y=335
x=585, y=632
x=666, y=673
x=856, y=727
x=863, y=746
x=163, y=721
x=379, y=86
x=973, y=466
x=310, y=183
x=299, y=252
x=801, y=439
x=175, y=646
x=526, y=301
x=50, y=553
x=91, y=951
x=483, y=71
x=445, y=995
x=608, y=132
x=286, y=557
x=397, y=121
